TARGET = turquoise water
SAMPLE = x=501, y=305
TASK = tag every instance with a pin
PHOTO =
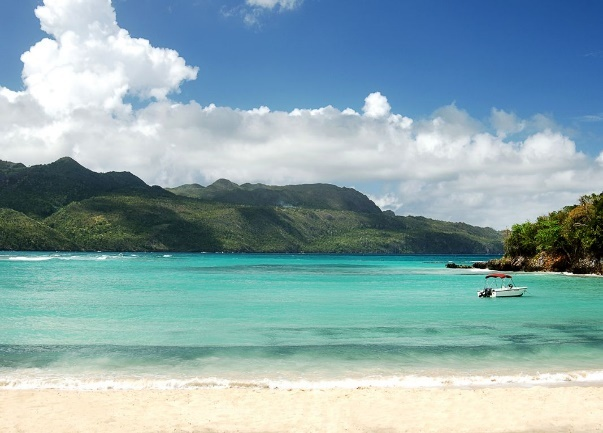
x=99, y=320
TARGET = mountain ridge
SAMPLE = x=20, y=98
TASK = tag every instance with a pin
x=40, y=190
x=65, y=206
x=313, y=196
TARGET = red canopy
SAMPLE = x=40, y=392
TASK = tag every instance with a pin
x=498, y=275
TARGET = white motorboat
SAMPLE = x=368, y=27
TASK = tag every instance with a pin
x=499, y=285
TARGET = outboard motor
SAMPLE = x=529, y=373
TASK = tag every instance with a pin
x=486, y=293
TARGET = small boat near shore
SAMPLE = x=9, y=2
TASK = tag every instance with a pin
x=499, y=285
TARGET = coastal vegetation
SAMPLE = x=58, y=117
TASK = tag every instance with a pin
x=570, y=239
x=66, y=207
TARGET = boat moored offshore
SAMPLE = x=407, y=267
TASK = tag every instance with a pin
x=500, y=285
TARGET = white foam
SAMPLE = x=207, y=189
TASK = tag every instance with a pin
x=85, y=383
x=30, y=259
x=66, y=257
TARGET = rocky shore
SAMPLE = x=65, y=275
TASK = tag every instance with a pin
x=542, y=262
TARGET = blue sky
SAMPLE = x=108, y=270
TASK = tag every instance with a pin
x=430, y=107
x=522, y=56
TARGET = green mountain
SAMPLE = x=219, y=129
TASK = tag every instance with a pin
x=316, y=196
x=41, y=190
x=64, y=206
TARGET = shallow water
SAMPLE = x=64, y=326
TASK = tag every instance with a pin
x=96, y=321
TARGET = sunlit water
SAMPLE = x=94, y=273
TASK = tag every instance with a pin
x=129, y=321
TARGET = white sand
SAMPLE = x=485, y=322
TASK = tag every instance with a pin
x=375, y=410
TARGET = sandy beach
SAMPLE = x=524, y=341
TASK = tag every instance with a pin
x=383, y=410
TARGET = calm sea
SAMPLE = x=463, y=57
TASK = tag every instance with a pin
x=130, y=321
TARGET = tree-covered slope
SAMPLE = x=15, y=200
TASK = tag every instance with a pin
x=133, y=223
x=570, y=239
x=63, y=206
x=19, y=232
x=314, y=196
x=40, y=190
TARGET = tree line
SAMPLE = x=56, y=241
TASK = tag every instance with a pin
x=568, y=239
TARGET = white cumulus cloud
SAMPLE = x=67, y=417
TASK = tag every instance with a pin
x=90, y=62
x=447, y=165
x=376, y=106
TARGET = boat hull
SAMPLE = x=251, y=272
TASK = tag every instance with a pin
x=500, y=285
x=505, y=293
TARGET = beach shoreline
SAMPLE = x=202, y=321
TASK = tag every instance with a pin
x=254, y=410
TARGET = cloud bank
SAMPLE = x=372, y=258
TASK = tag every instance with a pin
x=448, y=166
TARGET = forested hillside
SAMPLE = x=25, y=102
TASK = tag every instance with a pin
x=570, y=239
x=316, y=196
x=64, y=206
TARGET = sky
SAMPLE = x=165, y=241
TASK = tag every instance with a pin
x=483, y=112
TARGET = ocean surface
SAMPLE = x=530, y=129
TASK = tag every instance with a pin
x=169, y=321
